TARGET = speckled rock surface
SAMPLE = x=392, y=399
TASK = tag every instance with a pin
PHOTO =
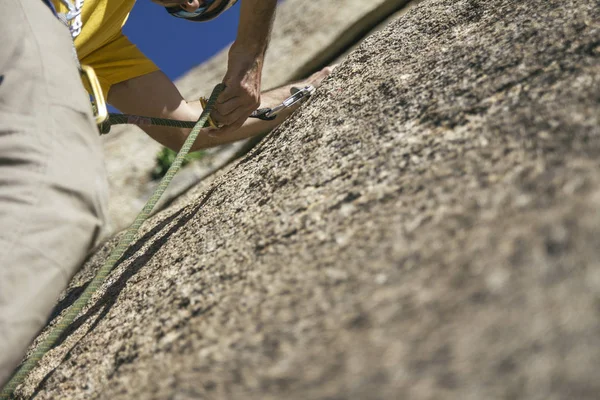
x=306, y=34
x=426, y=227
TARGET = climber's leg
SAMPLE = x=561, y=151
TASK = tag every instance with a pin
x=52, y=180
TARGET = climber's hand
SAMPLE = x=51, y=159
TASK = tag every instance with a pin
x=242, y=93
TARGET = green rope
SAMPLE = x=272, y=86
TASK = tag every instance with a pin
x=116, y=254
x=116, y=119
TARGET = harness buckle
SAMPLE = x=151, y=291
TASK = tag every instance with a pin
x=98, y=102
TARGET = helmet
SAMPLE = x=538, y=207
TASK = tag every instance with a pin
x=201, y=14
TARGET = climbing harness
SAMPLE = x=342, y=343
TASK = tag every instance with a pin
x=115, y=256
x=202, y=13
x=267, y=114
x=85, y=71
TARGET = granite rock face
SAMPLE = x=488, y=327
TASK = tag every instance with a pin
x=426, y=227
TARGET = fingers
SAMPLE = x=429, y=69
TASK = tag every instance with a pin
x=232, y=113
x=222, y=111
x=228, y=129
x=234, y=107
x=316, y=78
x=227, y=94
x=239, y=99
x=329, y=69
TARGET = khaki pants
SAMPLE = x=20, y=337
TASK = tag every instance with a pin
x=53, y=185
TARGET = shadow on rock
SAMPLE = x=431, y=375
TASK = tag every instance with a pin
x=107, y=301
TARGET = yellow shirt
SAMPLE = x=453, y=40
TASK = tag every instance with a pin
x=100, y=42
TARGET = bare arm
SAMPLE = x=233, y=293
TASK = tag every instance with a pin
x=245, y=63
x=154, y=95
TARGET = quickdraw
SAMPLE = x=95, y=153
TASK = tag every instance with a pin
x=297, y=95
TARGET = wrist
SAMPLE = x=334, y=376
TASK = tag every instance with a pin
x=242, y=62
x=247, y=50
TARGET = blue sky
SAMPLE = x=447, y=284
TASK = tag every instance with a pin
x=176, y=45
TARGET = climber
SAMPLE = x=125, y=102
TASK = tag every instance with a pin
x=133, y=84
x=53, y=189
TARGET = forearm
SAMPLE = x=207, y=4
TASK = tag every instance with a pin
x=174, y=138
x=244, y=65
x=254, y=29
x=154, y=95
x=247, y=53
